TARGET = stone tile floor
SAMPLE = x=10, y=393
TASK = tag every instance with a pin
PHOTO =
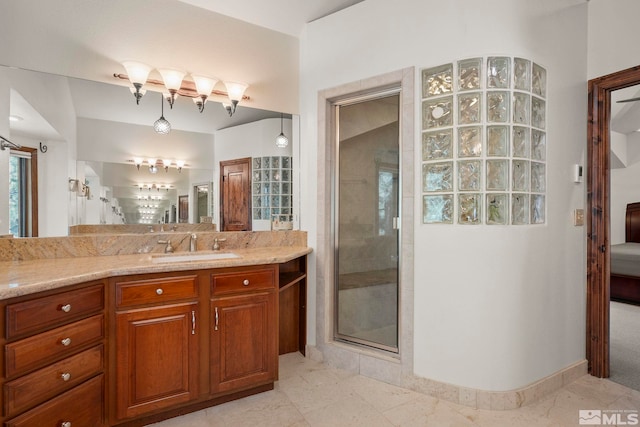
x=309, y=393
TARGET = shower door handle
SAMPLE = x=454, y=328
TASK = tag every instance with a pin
x=396, y=223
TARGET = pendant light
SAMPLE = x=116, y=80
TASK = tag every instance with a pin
x=162, y=125
x=281, y=140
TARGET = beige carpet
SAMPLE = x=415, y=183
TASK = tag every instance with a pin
x=625, y=344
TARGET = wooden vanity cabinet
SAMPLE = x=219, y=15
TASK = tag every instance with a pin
x=131, y=350
x=292, y=317
x=54, y=358
x=157, y=348
x=243, y=331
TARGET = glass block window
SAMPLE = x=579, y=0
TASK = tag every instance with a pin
x=271, y=182
x=484, y=142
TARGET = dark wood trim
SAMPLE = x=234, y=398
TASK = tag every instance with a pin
x=598, y=211
x=33, y=219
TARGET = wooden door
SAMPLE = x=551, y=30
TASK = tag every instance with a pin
x=157, y=358
x=235, y=195
x=243, y=342
x=183, y=209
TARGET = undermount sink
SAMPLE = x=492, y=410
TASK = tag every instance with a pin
x=190, y=256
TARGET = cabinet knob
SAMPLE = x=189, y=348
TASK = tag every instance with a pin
x=66, y=308
x=65, y=341
x=66, y=376
x=246, y=282
x=159, y=291
x=65, y=424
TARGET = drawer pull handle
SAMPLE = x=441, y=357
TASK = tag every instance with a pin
x=159, y=291
x=66, y=308
x=66, y=376
x=246, y=282
x=215, y=327
x=66, y=424
x=65, y=341
x=193, y=322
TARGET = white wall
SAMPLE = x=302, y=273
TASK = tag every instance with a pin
x=255, y=139
x=613, y=36
x=49, y=95
x=52, y=186
x=496, y=308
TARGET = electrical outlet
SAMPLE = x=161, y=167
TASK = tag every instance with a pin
x=578, y=217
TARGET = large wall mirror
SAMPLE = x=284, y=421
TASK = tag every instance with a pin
x=100, y=161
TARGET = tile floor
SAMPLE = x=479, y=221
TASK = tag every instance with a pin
x=309, y=393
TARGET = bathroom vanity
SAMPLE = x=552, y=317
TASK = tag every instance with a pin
x=125, y=340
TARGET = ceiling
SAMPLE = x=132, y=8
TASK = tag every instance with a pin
x=285, y=16
x=93, y=37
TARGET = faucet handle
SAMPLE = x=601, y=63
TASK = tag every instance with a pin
x=168, y=248
x=216, y=245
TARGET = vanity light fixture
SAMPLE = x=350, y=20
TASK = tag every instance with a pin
x=281, y=140
x=138, y=74
x=199, y=87
x=154, y=164
x=204, y=87
x=236, y=92
x=172, y=81
x=162, y=125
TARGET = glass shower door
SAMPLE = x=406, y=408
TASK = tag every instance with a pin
x=366, y=226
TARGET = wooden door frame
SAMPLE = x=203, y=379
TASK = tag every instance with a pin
x=33, y=216
x=598, y=214
x=224, y=163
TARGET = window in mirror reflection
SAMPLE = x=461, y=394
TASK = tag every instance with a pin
x=23, y=193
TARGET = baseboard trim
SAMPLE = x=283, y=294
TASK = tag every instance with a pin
x=473, y=398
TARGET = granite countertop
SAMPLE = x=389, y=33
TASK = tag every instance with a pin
x=26, y=277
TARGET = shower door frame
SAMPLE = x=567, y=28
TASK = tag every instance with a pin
x=378, y=93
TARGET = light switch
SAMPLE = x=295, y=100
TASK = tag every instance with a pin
x=578, y=217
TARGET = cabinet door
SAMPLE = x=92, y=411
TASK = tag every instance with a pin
x=243, y=344
x=157, y=358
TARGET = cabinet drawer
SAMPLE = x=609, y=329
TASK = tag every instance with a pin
x=154, y=291
x=81, y=406
x=54, y=310
x=242, y=281
x=41, y=349
x=52, y=380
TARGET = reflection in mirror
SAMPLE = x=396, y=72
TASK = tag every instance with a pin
x=624, y=158
x=100, y=146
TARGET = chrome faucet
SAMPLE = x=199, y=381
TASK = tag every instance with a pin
x=216, y=244
x=168, y=248
x=193, y=243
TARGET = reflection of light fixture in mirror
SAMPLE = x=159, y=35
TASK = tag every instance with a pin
x=281, y=140
x=166, y=164
x=162, y=126
x=179, y=165
x=204, y=87
x=138, y=162
x=152, y=165
x=235, y=92
x=172, y=81
x=138, y=73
